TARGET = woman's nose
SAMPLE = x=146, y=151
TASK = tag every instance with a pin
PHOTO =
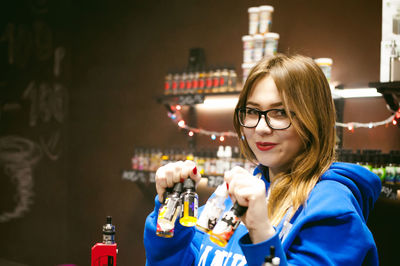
x=263, y=126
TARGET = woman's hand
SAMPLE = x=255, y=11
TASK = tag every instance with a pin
x=249, y=191
x=169, y=174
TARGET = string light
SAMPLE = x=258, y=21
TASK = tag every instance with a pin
x=353, y=125
x=397, y=115
x=171, y=115
x=176, y=116
x=181, y=124
x=396, y=118
x=350, y=127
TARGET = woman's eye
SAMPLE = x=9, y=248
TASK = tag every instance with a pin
x=281, y=113
x=251, y=112
x=278, y=113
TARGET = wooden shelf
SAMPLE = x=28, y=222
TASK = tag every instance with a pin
x=148, y=177
x=390, y=91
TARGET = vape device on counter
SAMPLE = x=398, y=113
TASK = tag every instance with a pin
x=105, y=254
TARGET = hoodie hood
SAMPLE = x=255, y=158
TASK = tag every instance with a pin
x=365, y=185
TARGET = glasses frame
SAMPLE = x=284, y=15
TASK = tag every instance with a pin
x=266, y=118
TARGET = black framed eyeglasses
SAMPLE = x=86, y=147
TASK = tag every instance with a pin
x=275, y=118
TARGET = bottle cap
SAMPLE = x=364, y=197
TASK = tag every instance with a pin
x=178, y=187
x=239, y=210
x=272, y=35
x=220, y=152
x=228, y=152
x=188, y=183
x=221, y=190
x=323, y=61
x=266, y=8
x=258, y=37
x=253, y=9
x=247, y=38
x=248, y=65
x=276, y=261
x=272, y=251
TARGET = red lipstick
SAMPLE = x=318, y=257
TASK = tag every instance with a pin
x=265, y=146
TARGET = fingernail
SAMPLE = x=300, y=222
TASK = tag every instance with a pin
x=227, y=186
x=195, y=170
x=182, y=179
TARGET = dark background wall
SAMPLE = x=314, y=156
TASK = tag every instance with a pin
x=117, y=53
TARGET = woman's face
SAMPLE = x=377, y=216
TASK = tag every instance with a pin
x=273, y=148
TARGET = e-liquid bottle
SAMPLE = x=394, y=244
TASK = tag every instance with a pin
x=190, y=202
x=213, y=209
x=225, y=228
x=168, y=212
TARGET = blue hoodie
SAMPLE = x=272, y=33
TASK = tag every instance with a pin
x=330, y=229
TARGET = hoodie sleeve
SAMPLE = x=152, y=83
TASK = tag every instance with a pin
x=340, y=240
x=178, y=250
x=330, y=230
x=256, y=253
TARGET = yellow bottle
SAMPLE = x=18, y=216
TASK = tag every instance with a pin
x=190, y=201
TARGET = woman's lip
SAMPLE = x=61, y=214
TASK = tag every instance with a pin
x=265, y=146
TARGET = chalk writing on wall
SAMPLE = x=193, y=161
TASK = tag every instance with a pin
x=48, y=101
x=18, y=156
x=33, y=98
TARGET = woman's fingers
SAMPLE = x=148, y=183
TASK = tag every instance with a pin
x=172, y=173
x=243, y=187
x=189, y=170
x=161, y=183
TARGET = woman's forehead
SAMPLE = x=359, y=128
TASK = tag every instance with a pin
x=264, y=92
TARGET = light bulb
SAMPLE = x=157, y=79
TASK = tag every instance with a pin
x=181, y=123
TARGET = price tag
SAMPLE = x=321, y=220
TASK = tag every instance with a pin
x=388, y=192
x=191, y=99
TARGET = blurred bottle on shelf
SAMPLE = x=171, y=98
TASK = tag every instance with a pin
x=202, y=82
x=232, y=80
x=168, y=84
x=175, y=83
x=223, y=80
x=215, y=80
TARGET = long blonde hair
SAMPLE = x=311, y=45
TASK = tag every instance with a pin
x=304, y=88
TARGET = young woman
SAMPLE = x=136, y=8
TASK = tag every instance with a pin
x=311, y=209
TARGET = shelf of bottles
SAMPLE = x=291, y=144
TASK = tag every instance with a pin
x=385, y=165
x=212, y=163
x=192, y=87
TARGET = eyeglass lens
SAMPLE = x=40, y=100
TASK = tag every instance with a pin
x=275, y=118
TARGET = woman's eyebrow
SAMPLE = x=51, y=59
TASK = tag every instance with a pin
x=270, y=105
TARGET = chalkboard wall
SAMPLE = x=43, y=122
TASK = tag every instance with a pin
x=34, y=101
x=78, y=94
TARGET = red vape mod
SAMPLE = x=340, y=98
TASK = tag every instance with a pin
x=105, y=254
